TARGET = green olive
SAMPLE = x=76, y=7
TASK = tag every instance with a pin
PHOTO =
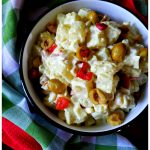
x=83, y=53
x=36, y=62
x=46, y=43
x=44, y=35
x=116, y=118
x=47, y=103
x=118, y=52
x=56, y=86
x=93, y=17
x=97, y=97
x=61, y=115
x=143, y=53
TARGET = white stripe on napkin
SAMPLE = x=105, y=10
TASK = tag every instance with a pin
x=17, y=3
x=123, y=142
x=63, y=135
x=9, y=65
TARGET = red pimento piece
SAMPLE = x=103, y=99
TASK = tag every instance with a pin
x=85, y=53
x=80, y=74
x=126, y=81
x=84, y=75
x=85, y=67
x=101, y=26
x=52, y=48
x=62, y=103
x=88, y=75
x=83, y=72
x=34, y=74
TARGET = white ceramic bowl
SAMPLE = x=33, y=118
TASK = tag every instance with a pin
x=116, y=13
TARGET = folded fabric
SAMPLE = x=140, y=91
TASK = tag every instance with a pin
x=14, y=103
x=130, y=5
x=16, y=138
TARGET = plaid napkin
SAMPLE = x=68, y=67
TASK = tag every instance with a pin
x=14, y=103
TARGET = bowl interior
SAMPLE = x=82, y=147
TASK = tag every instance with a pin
x=116, y=13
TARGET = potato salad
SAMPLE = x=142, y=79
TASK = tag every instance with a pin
x=89, y=68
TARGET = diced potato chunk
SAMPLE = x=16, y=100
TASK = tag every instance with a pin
x=75, y=114
x=83, y=13
x=112, y=32
x=105, y=75
x=123, y=101
x=70, y=32
x=96, y=38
